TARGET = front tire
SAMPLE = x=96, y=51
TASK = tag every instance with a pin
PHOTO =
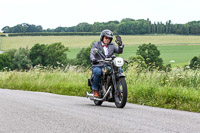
x=120, y=97
x=98, y=103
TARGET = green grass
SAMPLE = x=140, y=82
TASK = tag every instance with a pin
x=172, y=47
x=84, y=41
x=175, y=90
x=181, y=54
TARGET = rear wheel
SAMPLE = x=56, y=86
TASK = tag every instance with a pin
x=120, y=96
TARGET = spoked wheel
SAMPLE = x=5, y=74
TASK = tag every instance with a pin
x=121, y=94
x=98, y=103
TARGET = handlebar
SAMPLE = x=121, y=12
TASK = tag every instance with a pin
x=106, y=61
x=103, y=61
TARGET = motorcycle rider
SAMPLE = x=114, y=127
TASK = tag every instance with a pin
x=106, y=49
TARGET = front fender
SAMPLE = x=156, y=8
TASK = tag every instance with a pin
x=119, y=75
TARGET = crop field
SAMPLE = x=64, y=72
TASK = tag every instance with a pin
x=172, y=47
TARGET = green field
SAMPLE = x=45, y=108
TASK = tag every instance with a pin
x=172, y=47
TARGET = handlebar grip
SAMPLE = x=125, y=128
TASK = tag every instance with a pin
x=126, y=61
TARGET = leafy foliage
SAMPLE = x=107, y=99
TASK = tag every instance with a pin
x=5, y=61
x=22, y=28
x=49, y=55
x=83, y=57
x=127, y=26
x=139, y=61
x=21, y=60
x=56, y=54
x=195, y=63
x=37, y=54
x=151, y=54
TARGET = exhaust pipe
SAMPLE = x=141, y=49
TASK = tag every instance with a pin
x=98, y=99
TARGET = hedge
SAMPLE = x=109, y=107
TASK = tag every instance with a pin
x=54, y=34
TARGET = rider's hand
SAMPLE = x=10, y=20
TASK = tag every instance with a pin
x=118, y=40
x=94, y=61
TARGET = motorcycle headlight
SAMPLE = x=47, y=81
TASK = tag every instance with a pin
x=118, y=62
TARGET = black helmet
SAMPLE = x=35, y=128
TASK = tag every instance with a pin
x=106, y=33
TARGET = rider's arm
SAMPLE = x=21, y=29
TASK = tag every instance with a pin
x=119, y=49
x=91, y=52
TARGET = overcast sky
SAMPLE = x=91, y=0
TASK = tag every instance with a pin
x=54, y=13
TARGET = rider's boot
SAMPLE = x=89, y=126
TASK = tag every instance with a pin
x=96, y=93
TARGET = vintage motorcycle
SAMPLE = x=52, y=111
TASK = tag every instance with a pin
x=113, y=87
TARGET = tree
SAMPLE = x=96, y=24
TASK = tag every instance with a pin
x=6, y=29
x=151, y=54
x=126, y=28
x=149, y=26
x=127, y=20
x=83, y=27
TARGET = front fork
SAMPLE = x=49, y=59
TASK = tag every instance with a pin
x=116, y=88
x=117, y=76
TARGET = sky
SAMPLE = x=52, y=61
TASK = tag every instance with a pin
x=66, y=13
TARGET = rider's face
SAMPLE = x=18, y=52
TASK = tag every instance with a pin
x=106, y=40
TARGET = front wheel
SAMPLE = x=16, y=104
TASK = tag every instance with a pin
x=98, y=103
x=121, y=93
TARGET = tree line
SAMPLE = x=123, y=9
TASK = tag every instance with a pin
x=126, y=26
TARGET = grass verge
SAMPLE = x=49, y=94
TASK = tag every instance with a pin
x=175, y=90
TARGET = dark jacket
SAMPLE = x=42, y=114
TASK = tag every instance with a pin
x=111, y=50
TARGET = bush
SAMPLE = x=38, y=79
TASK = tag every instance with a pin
x=5, y=61
x=37, y=54
x=12, y=53
x=56, y=54
x=83, y=57
x=151, y=54
x=21, y=60
x=195, y=63
x=49, y=55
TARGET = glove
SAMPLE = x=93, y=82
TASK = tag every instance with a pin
x=118, y=40
x=94, y=61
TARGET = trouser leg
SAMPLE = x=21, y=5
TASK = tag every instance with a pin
x=97, y=72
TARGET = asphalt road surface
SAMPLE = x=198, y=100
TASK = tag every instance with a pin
x=37, y=112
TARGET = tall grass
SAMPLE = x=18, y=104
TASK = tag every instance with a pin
x=177, y=89
x=70, y=82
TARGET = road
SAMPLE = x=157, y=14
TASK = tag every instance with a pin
x=37, y=112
